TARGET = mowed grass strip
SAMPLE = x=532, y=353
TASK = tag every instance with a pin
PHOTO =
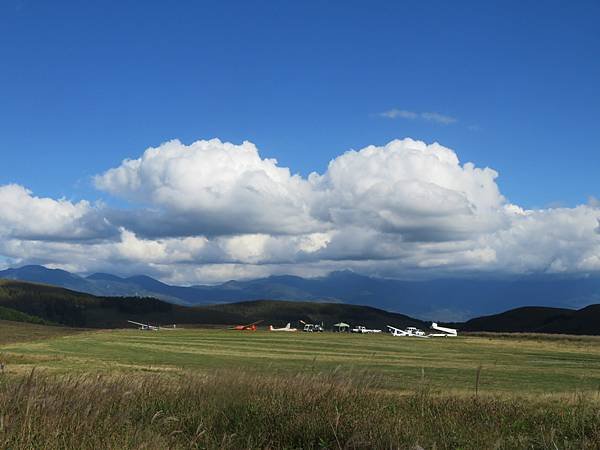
x=507, y=365
x=11, y=332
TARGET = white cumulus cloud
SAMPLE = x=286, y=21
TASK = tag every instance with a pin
x=212, y=211
x=420, y=191
x=26, y=216
x=214, y=187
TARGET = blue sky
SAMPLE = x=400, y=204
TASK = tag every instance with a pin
x=511, y=86
x=84, y=85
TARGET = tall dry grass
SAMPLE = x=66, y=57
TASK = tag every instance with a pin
x=239, y=410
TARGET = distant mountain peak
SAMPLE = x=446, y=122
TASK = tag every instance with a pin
x=442, y=299
x=104, y=276
x=346, y=273
x=34, y=269
x=146, y=281
x=38, y=268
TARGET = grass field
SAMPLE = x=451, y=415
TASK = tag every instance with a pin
x=505, y=365
x=11, y=332
x=195, y=388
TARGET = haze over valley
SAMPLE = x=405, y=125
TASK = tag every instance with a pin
x=443, y=299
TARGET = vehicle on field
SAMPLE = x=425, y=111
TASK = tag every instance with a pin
x=364, y=330
x=312, y=327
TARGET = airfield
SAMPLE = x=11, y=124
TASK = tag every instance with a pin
x=493, y=364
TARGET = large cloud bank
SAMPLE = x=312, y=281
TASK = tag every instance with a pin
x=212, y=211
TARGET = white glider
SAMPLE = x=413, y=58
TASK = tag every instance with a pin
x=286, y=328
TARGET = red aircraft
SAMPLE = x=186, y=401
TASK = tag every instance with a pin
x=249, y=327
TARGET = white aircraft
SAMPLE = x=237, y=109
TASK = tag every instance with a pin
x=364, y=330
x=286, y=328
x=144, y=326
x=415, y=332
x=409, y=332
x=445, y=332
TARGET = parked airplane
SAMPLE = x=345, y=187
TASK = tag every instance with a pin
x=286, y=328
x=415, y=332
x=445, y=332
x=144, y=326
x=409, y=332
x=364, y=330
x=249, y=327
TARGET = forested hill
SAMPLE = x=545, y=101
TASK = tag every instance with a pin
x=443, y=299
x=535, y=319
x=48, y=304
x=66, y=307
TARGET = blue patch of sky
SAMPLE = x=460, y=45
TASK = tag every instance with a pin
x=84, y=85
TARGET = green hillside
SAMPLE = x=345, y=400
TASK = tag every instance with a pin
x=77, y=309
x=18, y=316
x=536, y=319
x=12, y=332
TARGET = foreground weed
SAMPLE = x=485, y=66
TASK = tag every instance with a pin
x=240, y=410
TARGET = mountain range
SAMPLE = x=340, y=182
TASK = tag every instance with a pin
x=443, y=299
x=41, y=303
